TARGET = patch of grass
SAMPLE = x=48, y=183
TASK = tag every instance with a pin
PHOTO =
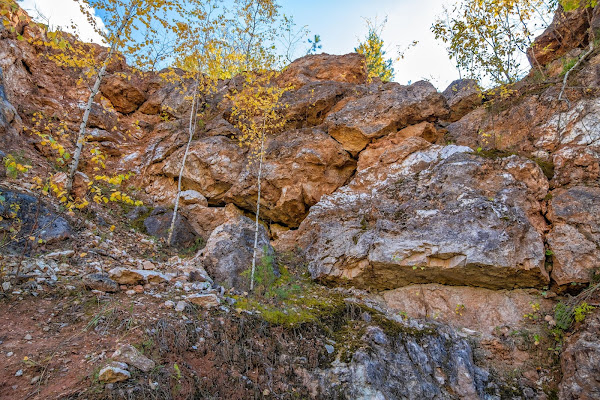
x=199, y=244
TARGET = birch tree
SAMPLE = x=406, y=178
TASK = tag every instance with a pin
x=123, y=21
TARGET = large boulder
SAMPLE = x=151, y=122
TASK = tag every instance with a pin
x=359, y=121
x=31, y=218
x=580, y=362
x=229, y=250
x=299, y=167
x=349, y=68
x=575, y=235
x=421, y=213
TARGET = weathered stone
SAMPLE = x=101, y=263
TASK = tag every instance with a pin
x=376, y=115
x=309, y=105
x=181, y=305
x=125, y=276
x=128, y=354
x=350, y=68
x=204, y=300
x=100, y=282
x=114, y=372
x=568, y=30
x=159, y=223
x=36, y=219
x=427, y=363
x=300, y=166
x=474, y=308
x=575, y=235
x=229, y=250
x=124, y=95
x=193, y=197
x=462, y=95
x=421, y=213
x=580, y=362
x=137, y=212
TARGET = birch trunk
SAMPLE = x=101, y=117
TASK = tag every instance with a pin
x=94, y=92
x=192, y=130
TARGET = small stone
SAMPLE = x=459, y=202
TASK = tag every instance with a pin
x=169, y=304
x=330, y=349
x=130, y=292
x=35, y=379
x=153, y=385
x=148, y=265
x=60, y=254
x=180, y=306
x=137, y=276
x=114, y=372
x=19, y=373
x=9, y=354
x=139, y=289
x=100, y=282
x=6, y=286
x=128, y=354
x=198, y=275
x=204, y=300
x=27, y=337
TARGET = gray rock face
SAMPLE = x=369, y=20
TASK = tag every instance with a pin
x=575, y=236
x=158, y=224
x=580, y=362
x=229, y=250
x=463, y=95
x=395, y=107
x=421, y=213
x=37, y=220
x=421, y=363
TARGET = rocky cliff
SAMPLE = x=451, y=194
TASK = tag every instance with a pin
x=473, y=212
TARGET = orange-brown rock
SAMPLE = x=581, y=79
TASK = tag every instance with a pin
x=350, y=68
x=125, y=95
x=310, y=104
x=360, y=121
x=300, y=166
x=579, y=362
x=478, y=309
x=568, y=30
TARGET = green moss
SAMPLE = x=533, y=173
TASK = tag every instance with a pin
x=494, y=153
x=138, y=223
x=546, y=166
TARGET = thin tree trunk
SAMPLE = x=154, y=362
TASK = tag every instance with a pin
x=262, y=147
x=192, y=130
x=94, y=92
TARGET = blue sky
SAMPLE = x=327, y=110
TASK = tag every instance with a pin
x=341, y=24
